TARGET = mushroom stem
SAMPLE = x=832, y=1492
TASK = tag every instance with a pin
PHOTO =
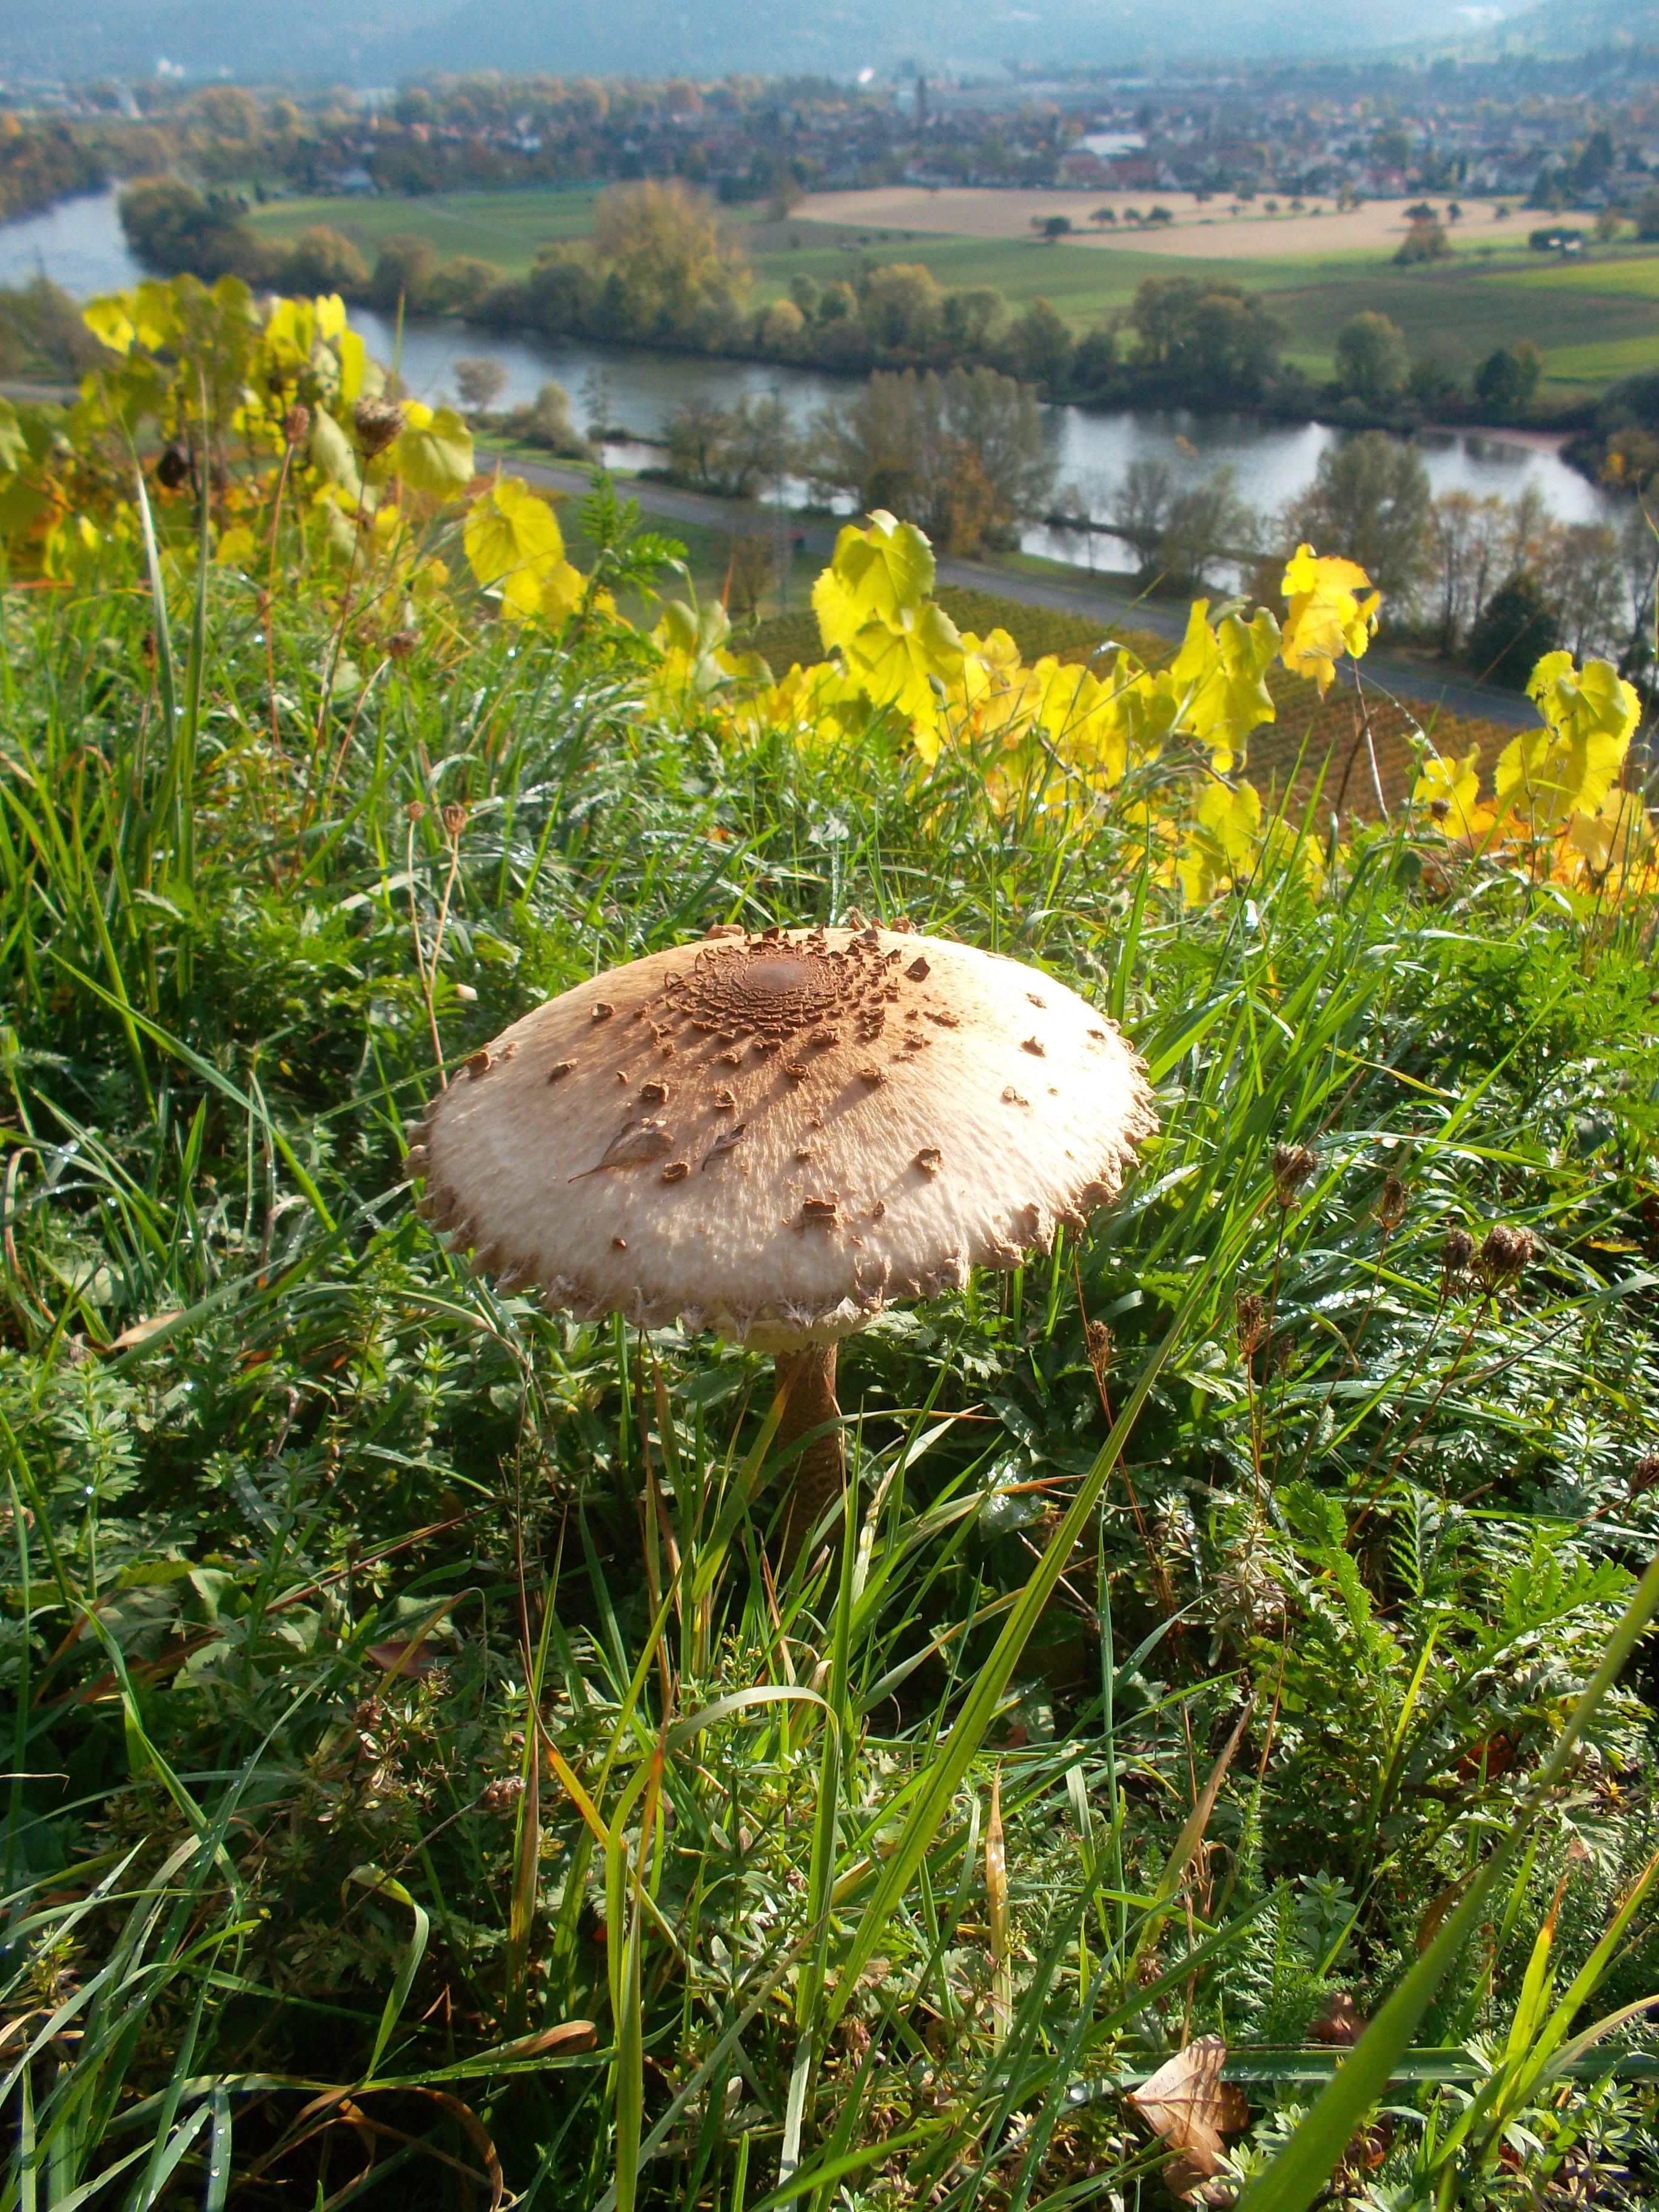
x=807, y=1383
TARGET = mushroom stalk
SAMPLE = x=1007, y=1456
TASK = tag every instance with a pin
x=807, y=1383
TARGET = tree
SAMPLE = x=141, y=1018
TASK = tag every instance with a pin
x=1372, y=362
x=1040, y=346
x=1424, y=242
x=463, y=286
x=546, y=422
x=323, y=261
x=1203, y=340
x=1466, y=537
x=667, y=274
x=1052, y=228
x=173, y=228
x=964, y=454
x=403, y=271
x=1103, y=215
x=730, y=451
x=480, y=380
x=1206, y=524
x=1139, y=510
x=1507, y=379
x=1647, y=216
x=1518, y=626
x=971, y=319
x=901, y=307
x=1371, y=500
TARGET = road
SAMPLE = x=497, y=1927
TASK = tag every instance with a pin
x=1428, y=688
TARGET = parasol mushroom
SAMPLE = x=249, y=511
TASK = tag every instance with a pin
x=775, y=1135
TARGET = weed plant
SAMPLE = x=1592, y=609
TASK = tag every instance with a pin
x=427, y=1788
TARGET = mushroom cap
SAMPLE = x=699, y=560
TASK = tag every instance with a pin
x=774, y=1136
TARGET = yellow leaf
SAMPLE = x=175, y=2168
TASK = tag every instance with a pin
x=1615, y=837
x=1571, y=765
x=513, y=544
x=1326, y=618
x=1223, y=672
x=881, y=575
x=236, y=547
x=1457, y=784
x=1221, y=845
x=109, y=322
x=434, y=451
x=332, y=452
x=899, y=666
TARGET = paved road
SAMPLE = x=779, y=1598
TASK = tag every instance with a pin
x=1427, y=687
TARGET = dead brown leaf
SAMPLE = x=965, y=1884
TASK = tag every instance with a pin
x=1188, y=2106
x=1341, y=2021
x=140, y=1330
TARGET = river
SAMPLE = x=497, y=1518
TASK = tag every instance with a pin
x=79, y=244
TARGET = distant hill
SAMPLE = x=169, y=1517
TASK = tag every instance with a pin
x=382, y=41
x=1577, y=27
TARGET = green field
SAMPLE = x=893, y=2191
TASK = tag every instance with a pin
x=1594, y=320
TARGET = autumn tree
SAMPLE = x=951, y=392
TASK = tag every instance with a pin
x=1371, y=359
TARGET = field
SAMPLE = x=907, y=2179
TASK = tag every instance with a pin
x=1594, y=320
x=1205, y=229
x=1205, y=1751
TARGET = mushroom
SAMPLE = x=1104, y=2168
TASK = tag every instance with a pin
x=804, y=1170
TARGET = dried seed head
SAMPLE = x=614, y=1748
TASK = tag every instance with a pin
x=1291, y=1165
x=454, y=819
x=297, y=425
x=1391, y=1204
x=401, y=643
x=1250, y=1315
x=501, y=1795
x=1455, y=1254
x=1440, y=808
x=1503, y=1255
x=378, y=422
x=1644, y=1476
x=1098, y=1338
x=415, y=810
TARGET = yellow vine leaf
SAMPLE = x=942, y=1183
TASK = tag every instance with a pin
x=882, y=575
x=899, y=666
x=432, y=453
x=1221, y=845
x=109, y=322
x=235, y=549
x=1616, y=839
x=1222, y=673
x=1570, y=765
x=1326, y=617
x=513, y=545
x=1457, y=783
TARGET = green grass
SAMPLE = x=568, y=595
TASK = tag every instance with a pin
x=409, y=1695
x=505, y=227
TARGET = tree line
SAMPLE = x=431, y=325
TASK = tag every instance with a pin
x=660, y=272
